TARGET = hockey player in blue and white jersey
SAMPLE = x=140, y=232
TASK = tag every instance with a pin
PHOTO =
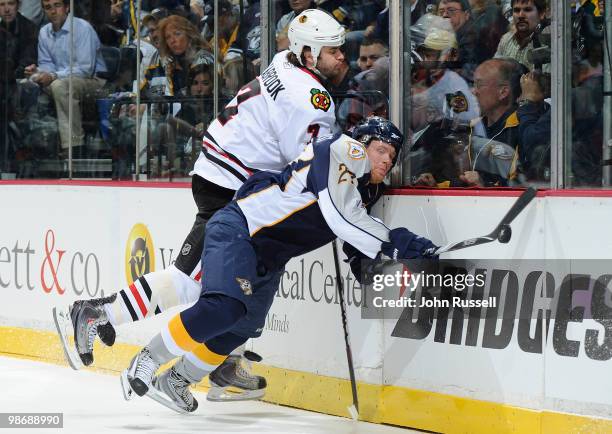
x=268, y=124
x=274, y=217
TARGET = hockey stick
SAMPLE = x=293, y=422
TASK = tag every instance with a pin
x=353, y=409
x=501, y=233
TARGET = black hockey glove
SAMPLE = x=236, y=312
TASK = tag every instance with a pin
x=404, y=244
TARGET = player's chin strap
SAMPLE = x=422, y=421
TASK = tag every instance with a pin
x=218, y=393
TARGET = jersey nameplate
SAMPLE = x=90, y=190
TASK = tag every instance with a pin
x=271, y=82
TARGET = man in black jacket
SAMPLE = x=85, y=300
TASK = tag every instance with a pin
x=18, y=49
x=20, y=37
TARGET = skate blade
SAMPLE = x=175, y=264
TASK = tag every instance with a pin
x=161, y=398
x=221, y=394
x=63, y=324
x=128, y=393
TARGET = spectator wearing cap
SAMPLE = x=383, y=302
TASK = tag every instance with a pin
x=527, y=17
x=457, y=12
x=442, y=108
x=149, y=45
x=150, y=23
x=439, y=92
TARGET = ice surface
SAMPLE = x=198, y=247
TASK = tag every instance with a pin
x=92, y=402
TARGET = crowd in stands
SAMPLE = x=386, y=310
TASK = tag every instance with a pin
x=481, y=113
x=479, y=76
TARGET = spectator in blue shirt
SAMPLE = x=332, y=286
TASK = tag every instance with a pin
x=54, y=70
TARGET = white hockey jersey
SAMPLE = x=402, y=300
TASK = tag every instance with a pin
x=314, y=200
x=267, y=124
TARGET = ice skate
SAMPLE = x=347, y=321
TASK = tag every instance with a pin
x=233, y=374
x=138, y=376
x=83, y=320
x=171, y=389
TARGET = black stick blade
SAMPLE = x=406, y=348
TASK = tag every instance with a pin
x=520, y=204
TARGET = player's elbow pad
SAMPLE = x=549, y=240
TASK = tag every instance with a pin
x=404, y=244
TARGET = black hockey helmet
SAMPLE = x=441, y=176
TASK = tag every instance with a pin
x=376, y=127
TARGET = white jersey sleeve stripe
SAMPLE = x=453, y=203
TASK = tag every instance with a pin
x=215, y=155
x=212, y=161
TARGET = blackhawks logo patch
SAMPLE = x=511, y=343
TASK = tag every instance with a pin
x=457, y=102
x=320, y=99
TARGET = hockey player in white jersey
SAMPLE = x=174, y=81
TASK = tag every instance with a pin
x=269, y=123
x=274, y=217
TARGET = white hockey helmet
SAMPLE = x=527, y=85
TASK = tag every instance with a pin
x=315, y=29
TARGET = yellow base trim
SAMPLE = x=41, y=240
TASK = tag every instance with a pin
x=320, y=393
x=445, y=413
x=380, y=404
